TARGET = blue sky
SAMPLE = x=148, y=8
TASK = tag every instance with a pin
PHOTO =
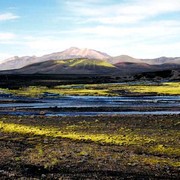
x=139, y=28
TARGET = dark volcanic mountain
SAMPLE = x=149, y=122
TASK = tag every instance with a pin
x=86, y=61
x=124, y=58
x=157, y=61
x=71, y=53
x=89, y=66
x=162, y=60
x=74, y=53
x=70, y=66
x=17, y=62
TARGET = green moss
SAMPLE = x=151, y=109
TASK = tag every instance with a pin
x=172, y=88
x=164, y=88
x=85, y=62
x=118, y=139
x=28, y=91
x=152, y=161
x=161, y=149
x=127, y=144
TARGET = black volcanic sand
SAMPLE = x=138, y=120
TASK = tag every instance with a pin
x=29, y=156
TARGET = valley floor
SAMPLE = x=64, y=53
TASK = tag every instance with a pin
x=101, y=147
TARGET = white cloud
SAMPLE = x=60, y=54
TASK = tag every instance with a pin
x=153, y=50
x=7, y=36
x=134, y=46
x=123, y=27
x=113, y=47
x=122, y=19
x=128, y=34
x=44, y=45
x=8, y=16
x=145, y=41
x=121, y=13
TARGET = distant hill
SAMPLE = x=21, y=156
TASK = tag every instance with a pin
x=17, y=62
x=89, y=66
x=155, y=61
x=123, y=58
x=86, y=61
x=163, y=60
x=74, y=53
x=71, y=53
x=70, y=66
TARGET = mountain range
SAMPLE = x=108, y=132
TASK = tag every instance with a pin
x=71, y=53
x=85, y=61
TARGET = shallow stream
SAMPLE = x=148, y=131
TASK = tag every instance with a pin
x=88, y=105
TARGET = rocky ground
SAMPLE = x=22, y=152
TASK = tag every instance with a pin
x=102, y=147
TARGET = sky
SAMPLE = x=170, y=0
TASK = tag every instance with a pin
x=138, y=28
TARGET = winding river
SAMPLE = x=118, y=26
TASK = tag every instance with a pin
x=52, y=105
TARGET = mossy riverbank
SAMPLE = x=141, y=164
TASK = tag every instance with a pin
x=125, y=89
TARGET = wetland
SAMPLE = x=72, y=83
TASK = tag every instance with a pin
x=89, y=129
